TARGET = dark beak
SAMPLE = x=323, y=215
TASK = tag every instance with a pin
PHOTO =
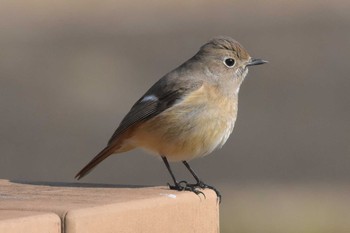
x=256, y=61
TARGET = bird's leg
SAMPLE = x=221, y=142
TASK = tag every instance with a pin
x=182, y=185
x=200, y=184
x=176, y=184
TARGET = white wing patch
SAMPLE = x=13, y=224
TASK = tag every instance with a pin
x=149, y=98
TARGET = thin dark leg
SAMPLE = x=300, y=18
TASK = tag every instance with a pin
x=182, y=185
x=169, y=169
x=192, y=172
x=200, y=183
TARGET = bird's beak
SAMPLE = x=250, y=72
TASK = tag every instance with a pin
x=256, y=61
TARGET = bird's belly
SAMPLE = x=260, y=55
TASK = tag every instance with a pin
x=186, y=132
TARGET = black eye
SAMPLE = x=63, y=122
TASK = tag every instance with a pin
x=229, y=62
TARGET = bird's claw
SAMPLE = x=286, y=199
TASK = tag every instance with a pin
x=202, y=185
x=185, y=186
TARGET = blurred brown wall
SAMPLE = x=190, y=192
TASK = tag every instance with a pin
x=69, y=71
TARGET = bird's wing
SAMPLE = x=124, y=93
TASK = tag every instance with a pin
x=163, y=95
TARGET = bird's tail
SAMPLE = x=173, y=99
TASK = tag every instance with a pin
x=107, y=151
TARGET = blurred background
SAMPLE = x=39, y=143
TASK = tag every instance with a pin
x=70, y=71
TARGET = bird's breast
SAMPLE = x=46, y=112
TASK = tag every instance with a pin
x=194, y=127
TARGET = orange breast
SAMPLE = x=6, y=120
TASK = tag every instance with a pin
x=194, y=127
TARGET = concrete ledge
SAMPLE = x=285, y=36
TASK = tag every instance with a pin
x=12, y=221
x=106, y=208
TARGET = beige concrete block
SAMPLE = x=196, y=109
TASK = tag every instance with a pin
x=172, y=213
x=12, y=221
x=86, y=208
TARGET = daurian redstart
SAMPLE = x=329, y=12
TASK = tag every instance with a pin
x=188, y=113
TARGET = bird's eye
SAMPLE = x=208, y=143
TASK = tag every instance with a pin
x=229, y=62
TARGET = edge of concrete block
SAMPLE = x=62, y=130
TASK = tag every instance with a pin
x=16, y=221
x=180, y=212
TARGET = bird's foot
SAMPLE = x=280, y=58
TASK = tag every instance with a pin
x=185, y=186
x=203, y=185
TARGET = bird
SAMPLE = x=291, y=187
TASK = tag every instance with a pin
x=188, y=113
